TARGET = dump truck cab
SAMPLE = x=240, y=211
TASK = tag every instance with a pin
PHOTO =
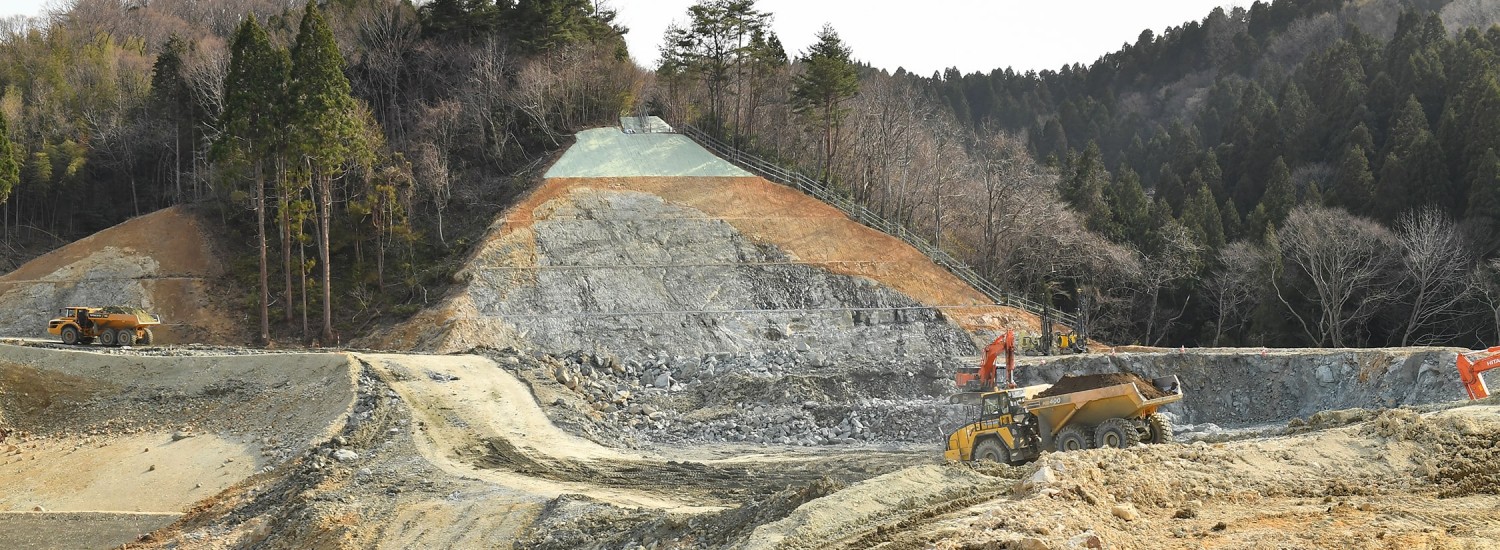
x=1000, y=430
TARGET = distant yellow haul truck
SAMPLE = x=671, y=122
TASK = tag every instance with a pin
x=1016, y=425
x=111, y=326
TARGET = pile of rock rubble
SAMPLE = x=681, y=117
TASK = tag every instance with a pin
x=722, y=398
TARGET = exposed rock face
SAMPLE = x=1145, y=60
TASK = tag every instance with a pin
x=1239, y=387
x=626, y=272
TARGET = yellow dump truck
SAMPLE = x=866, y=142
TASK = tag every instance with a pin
x=111, y=326
x=1016, y=425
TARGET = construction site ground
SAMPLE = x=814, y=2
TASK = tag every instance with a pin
x=747, y=419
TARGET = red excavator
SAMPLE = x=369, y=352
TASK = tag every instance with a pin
x=1468, y=372
x=982, y=378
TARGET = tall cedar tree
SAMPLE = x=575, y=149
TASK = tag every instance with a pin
x=172, y=100
x=1353, y=184
x=254, y=92
x=325, y=125
x=10, y=170
x=10, y=164
x=1414, y=169
x=828, y=79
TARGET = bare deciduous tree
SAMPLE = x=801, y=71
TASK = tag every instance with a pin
x=1234, y=285
x=1486, y=282
x=1435, y=265
x=1177, y=257
x=1345, y=259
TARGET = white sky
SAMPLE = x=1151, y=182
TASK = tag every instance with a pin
x=929, y=35
x=21, y=7
x=925, y=36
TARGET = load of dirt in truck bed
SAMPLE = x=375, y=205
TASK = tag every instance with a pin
x=1071, y=383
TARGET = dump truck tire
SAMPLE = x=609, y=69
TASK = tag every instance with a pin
x=147, y=337
x=1116, y=432
x=70, y=335
x=1076, y=437
x=991, y=450
x=107, y=337
x=1159, y=429
x=125, y=338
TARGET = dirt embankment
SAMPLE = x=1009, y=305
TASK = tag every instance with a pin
x=165, y=262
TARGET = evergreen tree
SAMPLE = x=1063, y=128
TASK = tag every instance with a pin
x=10, y=163
x=172, y=101
x=1480, y=108
x=254, y=91
x=1414, y=171
x=545, y=25
x=1130, y=207
x=1231, y=220
x=1084, y=188
x=325, y=127
x=1484, y=195
x=1201, y=216
x=1353, y=184
x=461, y=20
x=1278, y=200
x=828, y=80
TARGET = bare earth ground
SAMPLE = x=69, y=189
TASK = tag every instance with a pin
x=455, y=451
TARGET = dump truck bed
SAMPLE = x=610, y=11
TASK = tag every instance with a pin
x=1096, y=405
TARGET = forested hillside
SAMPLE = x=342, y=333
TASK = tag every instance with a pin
x=364, y=141
x=1383, y=110
x=1301, y=172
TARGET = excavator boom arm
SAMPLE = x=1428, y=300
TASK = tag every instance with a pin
x=1006, y=344
x=1469, y=371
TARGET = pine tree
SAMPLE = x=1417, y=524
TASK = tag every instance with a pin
x=324, y=124
x=1231, y=220
x=828, y=80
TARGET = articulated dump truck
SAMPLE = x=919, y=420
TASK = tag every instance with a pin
x=1016, y=425
x=111, y=326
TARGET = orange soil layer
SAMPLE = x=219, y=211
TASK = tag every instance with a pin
x=768, y=213
x=185, y=287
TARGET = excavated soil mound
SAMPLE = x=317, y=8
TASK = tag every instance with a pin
x=1072, y=383
x=164, y=262
x=688, y=266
